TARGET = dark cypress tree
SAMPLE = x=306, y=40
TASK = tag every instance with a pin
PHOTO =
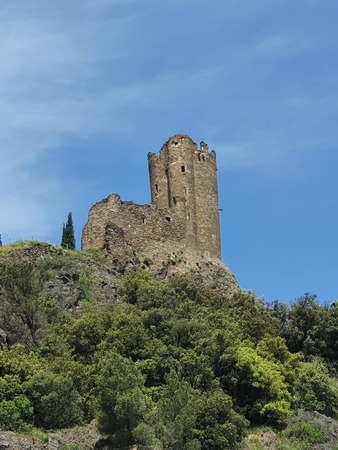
x=68, y=239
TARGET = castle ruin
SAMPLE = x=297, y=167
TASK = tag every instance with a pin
x=183, y=215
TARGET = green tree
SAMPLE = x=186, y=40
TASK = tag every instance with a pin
x=22, y=316
x=258, y=386
x=176, y=415
x=56, y=402
x=315, y=389
x=305, y=324
x=217, y=425
x=121, y=402
x=68, y=239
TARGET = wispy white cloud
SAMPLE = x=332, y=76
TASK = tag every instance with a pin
x=284, y=44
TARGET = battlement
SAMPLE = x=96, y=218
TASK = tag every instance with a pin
x=183, y=214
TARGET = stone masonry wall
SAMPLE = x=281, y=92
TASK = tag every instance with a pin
x=207, y=212
x=125, y=228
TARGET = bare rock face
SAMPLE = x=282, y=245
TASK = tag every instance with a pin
x=266, y=439
x=210, y=271
x=85, y=438
x=13, y=441
x=65, y=289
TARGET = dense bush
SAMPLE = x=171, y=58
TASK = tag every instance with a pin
x=56, y=402
x=16, y=412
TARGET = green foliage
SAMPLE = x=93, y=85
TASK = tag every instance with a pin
x=56, y=402
x=68, y=239
x=176, y=414
x=144, y=435
x=86, y=332
x=132, y=284
x=121, y=402
x=16, y=414
x=217, y=425
x=15, y=409
x=304, y=320
x=95, y=253
x=173, y=366
x=274, y=349
x=254, y=444
x=21, y=314
x=315, y=389
x=86, y=283
x=259, y=386
x=310, y=328
x=309, y=433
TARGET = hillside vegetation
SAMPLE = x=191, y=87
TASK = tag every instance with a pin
x=164, y=364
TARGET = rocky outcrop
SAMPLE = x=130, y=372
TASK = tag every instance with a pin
x=266, y=439
x=65, y=289
x=14, y=441
x=210, y=271
x=84, y=438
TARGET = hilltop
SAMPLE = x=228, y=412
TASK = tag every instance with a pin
x=111, y=353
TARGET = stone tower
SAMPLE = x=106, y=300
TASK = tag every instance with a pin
x=183, y=216
x=183, y=179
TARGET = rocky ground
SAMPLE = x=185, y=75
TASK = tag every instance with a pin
x=93, y=275
x=297, y=436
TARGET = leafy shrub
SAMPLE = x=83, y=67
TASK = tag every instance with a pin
x=15, y=409
x=16, y=414
x=259, y=387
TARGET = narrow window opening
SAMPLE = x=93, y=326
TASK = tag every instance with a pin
x=183, y=169
x=174, y=200
x=156, y=187
x=168, y=219
x=144, y=220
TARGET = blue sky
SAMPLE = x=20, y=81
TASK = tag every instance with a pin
x=88, y=87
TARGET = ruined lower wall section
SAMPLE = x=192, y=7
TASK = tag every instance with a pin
x=124, y=228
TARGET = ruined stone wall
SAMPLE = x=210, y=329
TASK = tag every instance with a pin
x=126, y=228
x=183, y=214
